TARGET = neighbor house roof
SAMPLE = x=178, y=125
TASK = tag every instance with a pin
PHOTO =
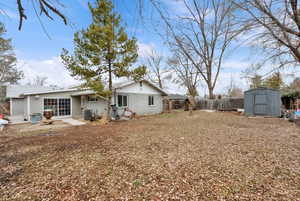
x=177, y=96
x=16, y=91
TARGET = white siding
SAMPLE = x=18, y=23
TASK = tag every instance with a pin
x=138, y=103
x=97, y=107
x=76, y=106
x=17, y=106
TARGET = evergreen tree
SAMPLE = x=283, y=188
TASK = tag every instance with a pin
x=256, y=81
x=8, y=70
x=103, y=51
x=274, y=81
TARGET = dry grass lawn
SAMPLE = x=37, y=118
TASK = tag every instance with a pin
x=208, y=156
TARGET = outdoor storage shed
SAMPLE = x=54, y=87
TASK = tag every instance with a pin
x=262, y=102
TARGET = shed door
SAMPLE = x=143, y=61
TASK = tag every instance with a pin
x=260, y=104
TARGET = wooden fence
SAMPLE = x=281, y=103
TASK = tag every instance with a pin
x=224, y=104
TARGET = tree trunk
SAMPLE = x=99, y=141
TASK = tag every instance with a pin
x=210, y=93
x=110, y=92
x=159, y=82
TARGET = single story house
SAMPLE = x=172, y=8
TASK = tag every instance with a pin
x=141, y=97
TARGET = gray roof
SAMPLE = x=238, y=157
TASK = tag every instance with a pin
x=16, y=91
x=51, y=91
x=262, y=88
x=177, y=96
x=85, y=92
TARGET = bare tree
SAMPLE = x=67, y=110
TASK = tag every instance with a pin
x=295, y=85
x=39, y=81
x=276, y=28
x=46, y=7
x=186, y=74
x=157, y=70
x=233, y=90
x=206, y=31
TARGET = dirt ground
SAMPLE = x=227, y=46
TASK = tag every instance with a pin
x=207, y=156
x=28, y=128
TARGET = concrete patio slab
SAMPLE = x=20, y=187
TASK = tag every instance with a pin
x=73, y=122
x=17, y=120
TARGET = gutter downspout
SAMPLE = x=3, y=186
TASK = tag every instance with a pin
x=10, y=107
x=28, y=108
x=115, y=98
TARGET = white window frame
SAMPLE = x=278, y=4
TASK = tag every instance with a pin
x=58, y=116
x=122, y=106
x=153, y=102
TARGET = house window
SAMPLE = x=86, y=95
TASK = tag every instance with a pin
x=51, y=104
x=122, y=101
x=92, y=98
x=141, y=84
x=150, y=100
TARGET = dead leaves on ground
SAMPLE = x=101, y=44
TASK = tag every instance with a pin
x=212, y=156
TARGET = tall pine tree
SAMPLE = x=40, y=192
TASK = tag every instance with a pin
x=103, y=51
x=8, y=70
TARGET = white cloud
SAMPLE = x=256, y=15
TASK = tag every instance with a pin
x=224, y=81
x=235, y=65
x=145, y=49
x=52, y=68
x=177, y=7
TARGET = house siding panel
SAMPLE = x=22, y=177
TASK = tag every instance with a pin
x=76, y=106
x=37, y=101
x=17, y=106
x=138, y=103
x=97, y=107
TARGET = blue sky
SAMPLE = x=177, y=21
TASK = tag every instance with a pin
x=39, y=55
x=33, y=43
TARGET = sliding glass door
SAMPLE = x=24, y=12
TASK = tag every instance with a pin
x=59, y=106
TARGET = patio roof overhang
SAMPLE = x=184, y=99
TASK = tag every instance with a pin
x=87, y=93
